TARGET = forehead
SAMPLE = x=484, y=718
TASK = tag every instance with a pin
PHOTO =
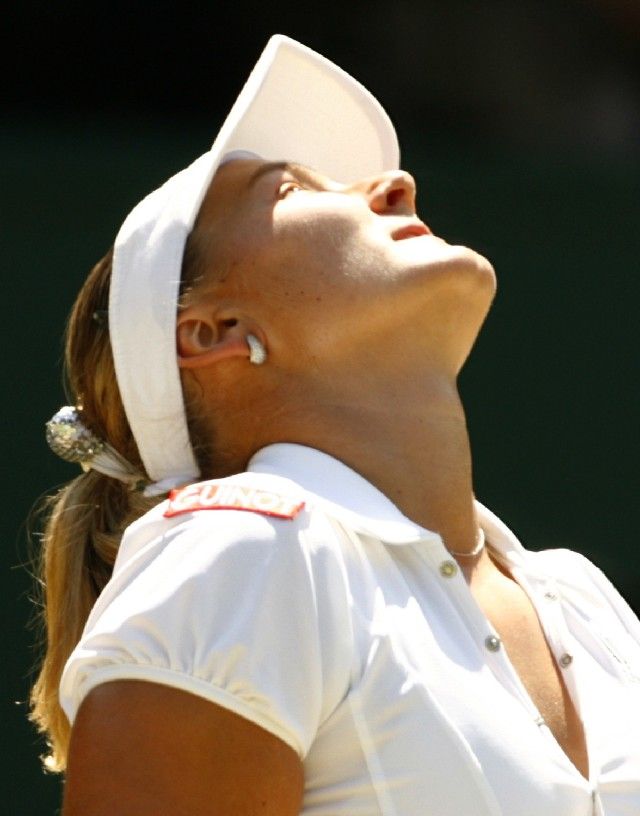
x=227, y=191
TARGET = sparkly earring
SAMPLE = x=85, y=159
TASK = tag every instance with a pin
x=257, y=351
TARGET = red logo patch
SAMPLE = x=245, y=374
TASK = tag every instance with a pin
x=212, y=496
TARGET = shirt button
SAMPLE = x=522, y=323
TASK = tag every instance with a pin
x=492, y=643
x=448, y=569
x=566, y=660
x=551, y=596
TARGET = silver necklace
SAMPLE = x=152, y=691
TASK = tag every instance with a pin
x=480, y=542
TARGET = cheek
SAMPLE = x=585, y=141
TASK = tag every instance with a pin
x=303, y=259
x=304, y=227
x=338, y=242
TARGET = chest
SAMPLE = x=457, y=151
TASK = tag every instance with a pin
x=541, y=673
x=448, y=691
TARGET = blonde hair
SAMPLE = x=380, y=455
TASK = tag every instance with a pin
x=86, y=518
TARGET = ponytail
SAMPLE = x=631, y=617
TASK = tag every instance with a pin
x=86, y=518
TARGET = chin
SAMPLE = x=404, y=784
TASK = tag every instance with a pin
x=456, y=285
x=433, y=259
x=464, y=254
x=478, y=266
x=473, y=278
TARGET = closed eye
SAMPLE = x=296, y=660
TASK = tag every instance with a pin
x=288, y=187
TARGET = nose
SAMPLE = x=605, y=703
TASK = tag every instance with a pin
x=391, y=193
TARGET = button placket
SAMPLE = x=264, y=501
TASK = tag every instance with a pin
x=546, y=598
x=555, y=628
x=480, y=629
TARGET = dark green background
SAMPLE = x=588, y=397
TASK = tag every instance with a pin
x=100, y=114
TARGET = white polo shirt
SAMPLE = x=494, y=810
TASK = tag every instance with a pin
x=333, y=621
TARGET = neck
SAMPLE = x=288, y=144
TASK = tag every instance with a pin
x=411, y=442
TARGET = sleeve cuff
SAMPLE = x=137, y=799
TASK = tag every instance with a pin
x=193, y=685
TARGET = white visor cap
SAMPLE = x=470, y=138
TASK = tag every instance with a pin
x=295, y=106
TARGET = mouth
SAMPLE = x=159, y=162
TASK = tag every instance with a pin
x=414, y=230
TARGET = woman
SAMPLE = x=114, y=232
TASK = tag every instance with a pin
x=320, y=618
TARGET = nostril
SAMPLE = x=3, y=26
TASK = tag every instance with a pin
x=395, y=197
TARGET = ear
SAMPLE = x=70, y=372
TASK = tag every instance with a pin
x=203, y=338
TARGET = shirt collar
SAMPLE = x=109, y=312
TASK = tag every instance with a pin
x=346, y=495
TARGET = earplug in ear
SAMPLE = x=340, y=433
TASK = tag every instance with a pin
x=257, y=351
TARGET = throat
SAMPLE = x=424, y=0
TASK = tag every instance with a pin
x=421, y=461
x=406, y=435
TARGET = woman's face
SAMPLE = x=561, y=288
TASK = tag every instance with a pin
x=326, y=265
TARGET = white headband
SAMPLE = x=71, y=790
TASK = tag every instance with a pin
x=297, y=106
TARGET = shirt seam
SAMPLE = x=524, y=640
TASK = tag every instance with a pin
x=374, y=767
x=185, y=682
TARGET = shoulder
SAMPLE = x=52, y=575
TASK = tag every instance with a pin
x=571, y=569
x=241, y=508
x=575, y=575
x=215, y=593
x=586, y=588
x=243, y=493
x=246, y=524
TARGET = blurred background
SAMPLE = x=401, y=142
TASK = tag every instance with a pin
x=520, y=120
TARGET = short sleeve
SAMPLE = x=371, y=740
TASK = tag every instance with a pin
x=246, y=611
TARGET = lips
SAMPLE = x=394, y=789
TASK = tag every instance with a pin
x=414, y=230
